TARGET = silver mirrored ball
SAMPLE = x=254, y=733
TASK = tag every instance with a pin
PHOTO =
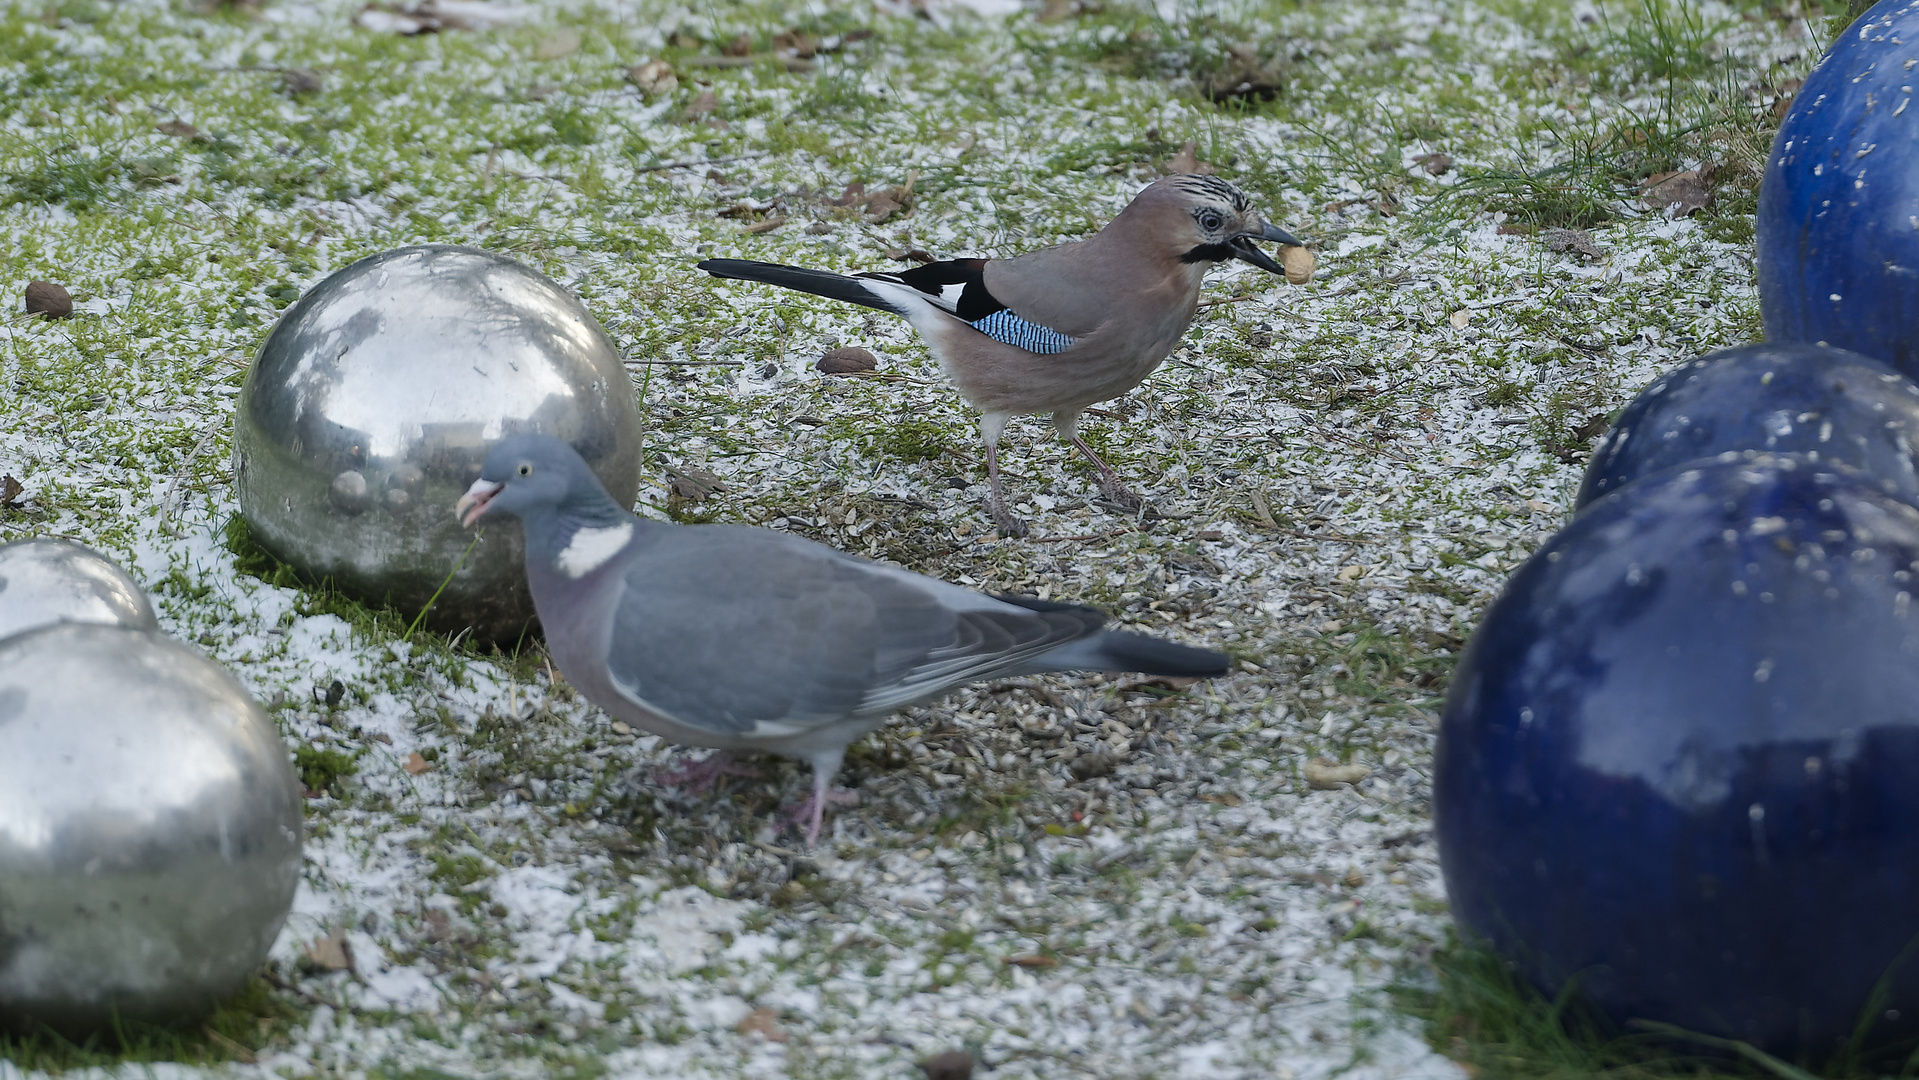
x=149, y=829
x=370, y=409
x=45, y=581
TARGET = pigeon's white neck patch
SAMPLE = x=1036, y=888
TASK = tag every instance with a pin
x=590, y=548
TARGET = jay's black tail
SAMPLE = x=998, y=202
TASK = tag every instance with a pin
x=818, y=282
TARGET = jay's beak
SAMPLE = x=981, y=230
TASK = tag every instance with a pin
x=1243, y=247
x=477, y=498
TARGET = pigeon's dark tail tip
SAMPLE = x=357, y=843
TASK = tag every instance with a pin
x=1151, y=656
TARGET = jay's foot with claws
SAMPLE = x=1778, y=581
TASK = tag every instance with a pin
x=1124, y=499
x=1009, y=524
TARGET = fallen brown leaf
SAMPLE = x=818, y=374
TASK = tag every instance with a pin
x=180, y=129
x=1591, y=427
x=10, y=491
x=693, y=483
x=766, y=226
x=416, y=764
x=1435, y=163
x=739, y=46
x=797, y=43
x=888, y=201
x=1243, y=75
x=653, y=78
x=1324, y=775
x=1032, y=960
x=854, y=195
x=766, y=1022
x=1578, y=241
x=331, y=953
x=1783, y=95
x=703, y=103
x=1187, y=160
x=1683, y=192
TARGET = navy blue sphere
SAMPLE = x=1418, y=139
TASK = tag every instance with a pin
x=1838, y=225
x=1829, y=404
x=1680, y=757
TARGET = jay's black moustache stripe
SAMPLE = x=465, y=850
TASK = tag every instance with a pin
x=1210, y=253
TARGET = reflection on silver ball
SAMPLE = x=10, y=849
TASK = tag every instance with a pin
x=149, y=829
x=46, y=581
x=370, y=408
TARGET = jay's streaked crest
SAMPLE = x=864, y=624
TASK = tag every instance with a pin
x=1059, y=329
x=748, y=639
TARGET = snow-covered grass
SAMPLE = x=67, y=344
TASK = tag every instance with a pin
x=1073, y=877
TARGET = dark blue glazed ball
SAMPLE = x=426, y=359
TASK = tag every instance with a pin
x=1680, y=757
x=1838, y=217
x=1829, y=404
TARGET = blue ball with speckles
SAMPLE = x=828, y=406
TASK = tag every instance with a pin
x=1677, y=763
x=1838, y=224
x=1829, y=404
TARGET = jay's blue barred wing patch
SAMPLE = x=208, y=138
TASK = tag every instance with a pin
x=1007, y=327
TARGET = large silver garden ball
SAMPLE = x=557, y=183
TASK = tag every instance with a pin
x=44, y=581
x=370, y=408
x=149, y=829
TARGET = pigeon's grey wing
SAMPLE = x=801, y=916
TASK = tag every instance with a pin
x=747, y=632
x=983, y=636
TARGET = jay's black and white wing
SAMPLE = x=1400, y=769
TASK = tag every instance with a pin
x=956, y=287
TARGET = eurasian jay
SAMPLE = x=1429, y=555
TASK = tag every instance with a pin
x=1059, y=329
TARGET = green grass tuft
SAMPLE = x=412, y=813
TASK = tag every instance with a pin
x=239, y=1028
x=1485, y=1016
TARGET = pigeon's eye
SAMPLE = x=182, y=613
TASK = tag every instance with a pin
x=525, y=469
x=1211, y=221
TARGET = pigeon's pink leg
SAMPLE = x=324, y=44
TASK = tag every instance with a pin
x=697, y=777
x=813, y=810
x=826, y=765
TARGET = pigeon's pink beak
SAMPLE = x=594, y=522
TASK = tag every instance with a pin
x=476, y=500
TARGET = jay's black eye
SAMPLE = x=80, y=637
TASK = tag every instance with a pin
x=526, y=469
x=1211, y=221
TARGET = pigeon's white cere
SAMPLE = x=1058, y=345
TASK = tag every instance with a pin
x=591, y=547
